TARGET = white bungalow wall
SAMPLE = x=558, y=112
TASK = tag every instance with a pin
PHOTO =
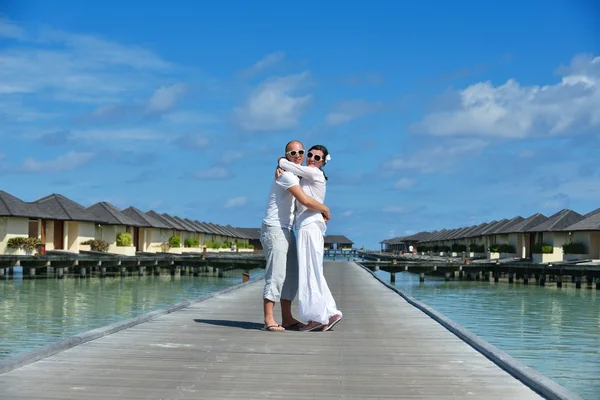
x=590, y=239
x=12, y=227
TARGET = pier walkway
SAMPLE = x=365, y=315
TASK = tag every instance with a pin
x=383, y=348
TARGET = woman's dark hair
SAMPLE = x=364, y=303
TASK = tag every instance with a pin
x=325, y=153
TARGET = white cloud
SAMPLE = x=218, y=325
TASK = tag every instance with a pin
x=350, y=110
x=405, y=183
x=438, y=158
x=41, y=69
x=236, y=202
x=165, y=98
x=267, y=61
x=273, y=106
x=347, y=213
x=9, y=30
x=192, y=141
x=213, y=174
x=129, y=134
x=232, y=156
x=514, y=111
x=66, y=162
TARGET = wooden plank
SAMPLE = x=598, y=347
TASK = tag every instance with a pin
x=383, y=348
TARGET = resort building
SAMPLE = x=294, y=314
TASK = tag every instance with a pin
x=57, y=223
x=564, y=236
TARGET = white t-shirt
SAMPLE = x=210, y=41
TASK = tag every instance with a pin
x=314, y=185
x=280, y=207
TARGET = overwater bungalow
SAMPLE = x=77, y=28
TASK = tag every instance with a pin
x=518, y=235
x=550, y=236
x=19, y=219
x=201, y=232
x=172, y=245
x=151, y=235
x=253, y=235
x=337, y=242
x=190, y=238
x=112, y=227
x=499, y=244
x=70, y=225
x=474, y=240
x=583, y=238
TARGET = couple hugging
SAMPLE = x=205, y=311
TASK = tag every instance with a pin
x=295, y=261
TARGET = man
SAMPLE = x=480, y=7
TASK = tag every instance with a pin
x=279, y=242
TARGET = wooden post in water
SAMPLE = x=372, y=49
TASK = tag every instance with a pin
x=447, y=276
x=559, y=281
x=392, y=277
x=511, y=277
x=82, y=272
x=102, y=272
x=31, y=273
x=543, y=280
x=526, y=279
x=60, y=273
x=2, y=271
x=598, y=283
x=578, y=282
x=422, y=277
x=219, y=272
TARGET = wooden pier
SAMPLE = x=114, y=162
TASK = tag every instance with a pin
x=385, y=347
x=540, y=274
x=86, y=264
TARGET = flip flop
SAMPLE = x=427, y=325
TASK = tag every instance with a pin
x=270, y=328
x=317, y=327
x=331, y=325
x=293, y=327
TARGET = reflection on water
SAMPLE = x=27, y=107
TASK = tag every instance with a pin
x=37, y=312
x=555, y=331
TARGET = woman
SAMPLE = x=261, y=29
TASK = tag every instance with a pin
x=315, y=302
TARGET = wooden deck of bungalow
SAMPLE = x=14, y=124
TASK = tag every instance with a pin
x=385, y=347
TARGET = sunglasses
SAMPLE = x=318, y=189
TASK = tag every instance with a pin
x=295, y=153
x=315, y=156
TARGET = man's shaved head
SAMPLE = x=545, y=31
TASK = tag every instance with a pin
x=287, y=146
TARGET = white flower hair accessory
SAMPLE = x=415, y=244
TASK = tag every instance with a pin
x=328, y=158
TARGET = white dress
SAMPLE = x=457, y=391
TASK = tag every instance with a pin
x=315, y=301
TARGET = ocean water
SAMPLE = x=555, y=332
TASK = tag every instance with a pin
x=37, y=312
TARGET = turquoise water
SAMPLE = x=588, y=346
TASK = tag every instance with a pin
x=34, y=313
x=555, y=331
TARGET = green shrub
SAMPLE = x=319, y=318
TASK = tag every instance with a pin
x=97, y=245
x=574, y=248
x=226, y=244
x=124, y=239
x=192, y=242
x=175, y=241
x=542, y=248
x=502, y=248
x=165, y=246
x=26, y=243
x=458, y=248
x=476, y=248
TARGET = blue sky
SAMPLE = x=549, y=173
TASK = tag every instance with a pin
x=436, y=114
